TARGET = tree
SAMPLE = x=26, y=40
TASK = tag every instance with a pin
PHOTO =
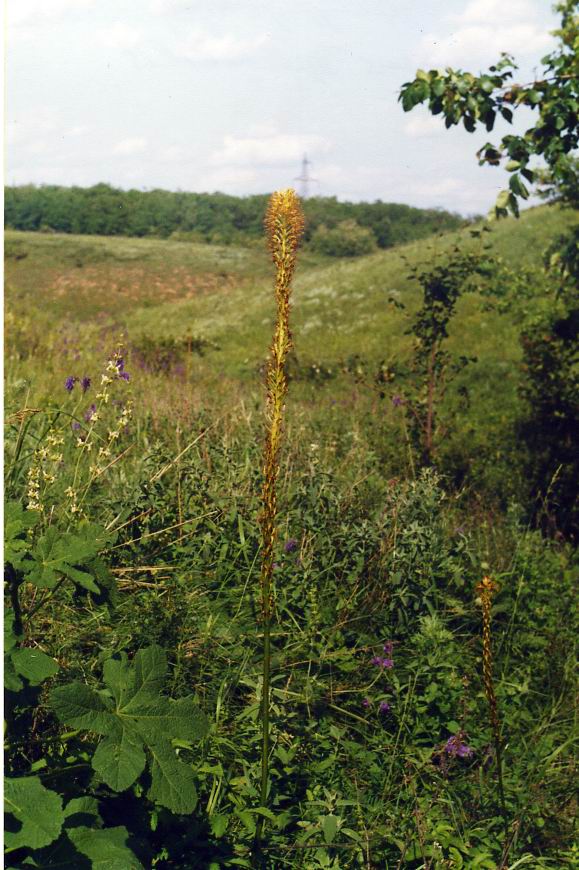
x=549, y=341
x=474, y=100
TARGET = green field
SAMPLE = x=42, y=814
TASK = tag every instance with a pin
x=375, y=556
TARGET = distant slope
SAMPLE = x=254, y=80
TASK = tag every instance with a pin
x=166, y=288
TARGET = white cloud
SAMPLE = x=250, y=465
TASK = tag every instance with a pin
x=200, y=45
x=423, y=127
x=121, y=35
x=483, y=30
x=79, y=130
x=270, y=148
x=229, y=179
x=24, y=11
x=161, y=7
x=26, y=130
x=128, y=147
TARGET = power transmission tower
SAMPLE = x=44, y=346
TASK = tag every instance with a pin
x=305, y=178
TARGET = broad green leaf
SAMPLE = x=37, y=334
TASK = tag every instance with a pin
x=150, y=673
x=37, y=809
x=329, y=828
x=34, y=664
x=56, y=554
x=82, y=808
x=119, y=677
x=119, y=761
x=106, y=848
x=182, y=719
x=77, y=705
x=172, y=782
x=141, y=720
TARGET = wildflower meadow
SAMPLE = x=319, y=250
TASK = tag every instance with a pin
x=291, y=525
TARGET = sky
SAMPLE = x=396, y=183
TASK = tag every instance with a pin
x=228, y=95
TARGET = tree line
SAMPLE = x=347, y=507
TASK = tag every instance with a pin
x=209, y=217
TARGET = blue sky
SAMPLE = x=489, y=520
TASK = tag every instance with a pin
x=224, y=95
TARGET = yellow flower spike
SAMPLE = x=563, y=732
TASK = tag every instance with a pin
x=284, y=225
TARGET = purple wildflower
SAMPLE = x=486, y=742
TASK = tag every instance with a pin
x=69, y=383
x=366, y=703
x=397, y=401
x=121, y=364
x=384, y=707
x=290, y=545
x=456, y=747
x=89, y=413
x=389, y=647
x=124, y=376
x=85, y=383
x=75, y=425
x=382, y=663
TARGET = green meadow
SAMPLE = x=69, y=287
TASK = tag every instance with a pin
x=133, y=507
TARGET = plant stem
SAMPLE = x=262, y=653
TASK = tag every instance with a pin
x=486, y=589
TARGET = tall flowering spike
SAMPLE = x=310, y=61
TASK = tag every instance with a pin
x=284, y=225
x=486, y=589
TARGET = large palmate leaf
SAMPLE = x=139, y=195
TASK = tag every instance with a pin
x=137, y=720
x=38, y=810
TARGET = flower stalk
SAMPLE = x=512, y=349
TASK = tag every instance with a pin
x=284, y=227
x=486, y=589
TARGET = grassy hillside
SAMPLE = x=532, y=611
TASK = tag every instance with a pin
x=165, y=288
x=159, y=293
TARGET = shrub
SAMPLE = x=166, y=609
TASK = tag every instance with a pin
x=347, y=239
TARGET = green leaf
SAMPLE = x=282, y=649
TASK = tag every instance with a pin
x=150, y=673
x=106, y=849
x=82, y=808
x=517, y=186
x=140, y=720
x=77, y=705
x=119, y=677
x=119, y=761
x=172, y=782
x=34, y=664
x=181, y=720
x=16, y=523
x=12, y=682
x=218, y=822
x=329, y=828
x=58, y=554
x=502, y=199
x=37, y=809
x=10, y=638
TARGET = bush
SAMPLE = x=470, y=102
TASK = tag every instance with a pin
x=347, y=239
